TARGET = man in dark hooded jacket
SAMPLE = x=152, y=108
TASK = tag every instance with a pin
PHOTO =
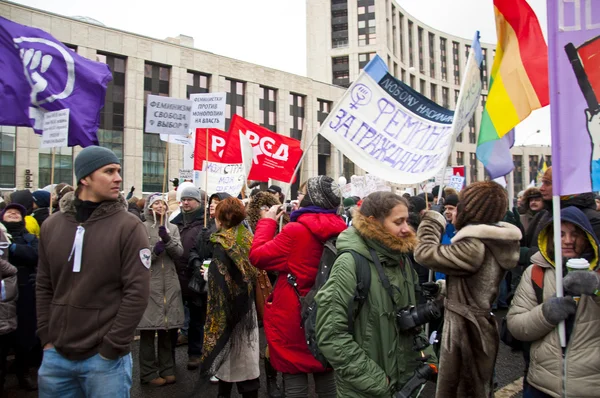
x=191, y=223
x=41, y=206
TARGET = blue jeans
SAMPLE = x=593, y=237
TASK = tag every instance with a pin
x=93, y=377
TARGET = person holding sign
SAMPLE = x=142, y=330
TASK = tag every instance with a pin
x=164, y=313
x=536, y=311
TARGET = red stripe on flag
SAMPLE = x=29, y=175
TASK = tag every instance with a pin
x=589, y=53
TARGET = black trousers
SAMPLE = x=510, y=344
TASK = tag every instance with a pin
x=196, y=328
x=248, y=388
x=8, y=341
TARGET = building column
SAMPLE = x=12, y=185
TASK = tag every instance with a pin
x=133, y=131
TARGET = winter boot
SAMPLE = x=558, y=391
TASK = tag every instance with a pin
x=273, y=389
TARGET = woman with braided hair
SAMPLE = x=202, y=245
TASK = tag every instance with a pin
x=475, y=262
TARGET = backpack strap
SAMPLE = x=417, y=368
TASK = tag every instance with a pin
x=361, y=291
x=537, y=279
x=382, y=277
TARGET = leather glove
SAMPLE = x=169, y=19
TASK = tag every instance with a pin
x=159, y=247
x=430, y=289
x=557, y=309
x=132, y=189
x=581, y=282
x=164, y=234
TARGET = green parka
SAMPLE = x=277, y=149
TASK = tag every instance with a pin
x=377, y=351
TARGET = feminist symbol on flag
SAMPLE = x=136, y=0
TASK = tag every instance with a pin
x=585, y=61
x=361, y=95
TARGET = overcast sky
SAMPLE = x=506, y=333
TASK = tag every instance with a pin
x=273, y=32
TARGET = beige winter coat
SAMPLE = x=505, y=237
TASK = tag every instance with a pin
x=527, y=323
x=475, y=263
x=165, y=305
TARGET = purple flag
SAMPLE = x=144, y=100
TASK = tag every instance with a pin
x=574, y=52
x=41, y=74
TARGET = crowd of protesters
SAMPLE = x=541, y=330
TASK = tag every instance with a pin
x=84, y=269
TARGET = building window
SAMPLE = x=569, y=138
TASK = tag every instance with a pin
x=341, y=71
x=401, y=32
x=420, y=45
x=456, y=93
x=364, y=58
x=473, y=167
x=445, y=97
x=431, y=55
x=460, y=158
x=411, y=61
x=412, y=82
x=268, y=108
x=324, y=146
x=483, y=100
x=366, y=22
x=7, y=157
x=296, y=115
x=156, y=82
x=548, y=160
x=63, y=166
x=433, y=95
x=339, y=23
x=467, y=49
x=443, y=59
x=422, y=86
x=403, y=75
x=518, y=173
x=112, y=116
x=236, y=100
x=197, y=83
x=484, y=73
x=396, y=71
x=472, y=131
x=459, y=137
x=456, y=60
x=394, y=31
x=533, y=167
x=348, y=168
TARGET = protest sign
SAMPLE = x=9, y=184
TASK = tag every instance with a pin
x=186, y=174
x=346, y=190
x=177, y=139
x=208, y=110
x=55, y=131
x=388, y=129
x=225, y=177
x=168, y=115
x=457, y=182
x=574, y=62
x=359, y=184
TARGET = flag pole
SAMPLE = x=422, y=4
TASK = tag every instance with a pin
x=52, y=173
x=558, y=269
x=206, y=180
x=164, y=187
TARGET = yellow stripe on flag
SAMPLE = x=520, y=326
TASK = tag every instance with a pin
x=500, y=108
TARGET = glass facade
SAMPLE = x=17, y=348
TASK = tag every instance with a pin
x=296, y=120
x=473, y=167
x=268, y=108
x=411, y=60
x=236, y=100
x=534, y=161
x=431, y=55
x=443, y=58
x=445, y=97
x=197, y=83
x=366, y=22
x=341, y=71
x=156, y=82
x=364, y=58
x=456, y=61
x=8, y=160
x=420, y=44
x=112, y=116
x=484, y=72
x=472, y=131
x=324, y=146
x=339, y=23
x=460, y=158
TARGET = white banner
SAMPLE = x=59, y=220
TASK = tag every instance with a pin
x=177, y=139
x=222, y=177
x=186, y=174
x=168, y=115
x=208, y=110
x=389, y=129
x=457, y=182
x=55, y=133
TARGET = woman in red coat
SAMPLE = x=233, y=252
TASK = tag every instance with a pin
x=296, y=252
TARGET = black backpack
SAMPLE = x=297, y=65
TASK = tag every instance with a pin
x=309, y=306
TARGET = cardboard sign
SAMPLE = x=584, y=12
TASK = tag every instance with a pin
x=168, y=115
x=457, y=182
x=208, y=110
x=55, y=132
x=186, y=174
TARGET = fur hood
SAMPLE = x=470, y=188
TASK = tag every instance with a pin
x=373, y=230
x=67, y=206
x=256, y=202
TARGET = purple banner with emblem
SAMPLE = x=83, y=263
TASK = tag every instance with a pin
x=40, y=74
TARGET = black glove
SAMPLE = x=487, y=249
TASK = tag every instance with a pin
x=164, y=234
x=159, y=247
x=430, y=289
x=557, y=309
x=132, y=189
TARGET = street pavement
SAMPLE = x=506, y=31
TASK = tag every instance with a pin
x=189, y=383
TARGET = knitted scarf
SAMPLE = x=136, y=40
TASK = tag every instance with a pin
x=230, y=320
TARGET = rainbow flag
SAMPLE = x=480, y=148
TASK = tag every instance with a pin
x=518, y=83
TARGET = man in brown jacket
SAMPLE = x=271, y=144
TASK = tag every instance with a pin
x=92, y=284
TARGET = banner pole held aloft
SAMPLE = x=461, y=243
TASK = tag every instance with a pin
x=52, y=174
x=558, y=269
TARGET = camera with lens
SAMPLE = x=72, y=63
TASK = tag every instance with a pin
x=415, y=316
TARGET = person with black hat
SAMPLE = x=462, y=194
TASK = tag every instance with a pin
x=276, y=190
x=23, y=254
x=295, y=252
x=92, y=285
x=476, y=260
x=25, y=199
x=191, y=229
x=41, y=205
